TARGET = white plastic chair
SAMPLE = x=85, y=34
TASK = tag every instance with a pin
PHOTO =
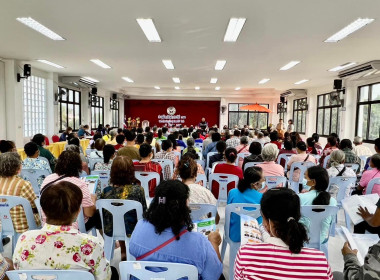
x=178, y=154
x=241, y=156
x=164, y=163
x=252, y=210
x=251, y=164
x=145, y=178
x=7, y=202
x=201, y=178
x=317, y=157
x=317, y=214
x=285, y=157
x=33, y=176
x=82, y=224
x=274, y=181
x=326, y=161
x=302, y=167
x=208, y=157
x=49, y=274
x=168, y=271
x=223, y=180
x=202, y=163
x=200, y=156
x=371, y=184
x=353, y=166
x=93, y=161
x=199, y=145
x=104, y=177
x=118, y=208
x=200, y=210
x=215, y=164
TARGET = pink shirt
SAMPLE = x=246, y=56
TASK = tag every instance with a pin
x=368, y=176
x=270, y=168
x=299, y=158
x=242, y=149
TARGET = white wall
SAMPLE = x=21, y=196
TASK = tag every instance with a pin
x=2, y=101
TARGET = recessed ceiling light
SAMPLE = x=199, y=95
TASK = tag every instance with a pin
x=176, y=80
x=197, y=88
x=28, y=21
x=129, y=80
x=168, y=64
x=149, y=29
x=217, y=88
x=237, y=88
x=349, y=29
x=176, y=87
x=50, y=63
x=233, y=29
x=291, y=64
x=213, y=80
x=340, y=67
x=301, y=82
x=100, y=63
x=156, y=87
x=91, y=79
x=220, y=64
x=263, y=81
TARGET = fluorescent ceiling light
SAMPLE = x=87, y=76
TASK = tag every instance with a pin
x=100, y=63
x=176, y=80
x=168, y=64
x=291, y=64
x=129, y=80
x=263, y=81
x=237, y=88
x=50, y=63
x=91, y=79
x=149, y=29
x=197, y=88
x=213, y=80
x=349, y=29
x=370, y=73
x=301, y=82
x=28, y=21
x=233, y=29
x=217, y=88
x=176, y=87
x=340, y=67
x=220, y=64
x=156, y=87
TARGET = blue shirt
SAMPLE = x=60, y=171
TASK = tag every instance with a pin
x=235, y=196
x=181, y=143
x=193, y=248
x=209, y=148
x=81, y=132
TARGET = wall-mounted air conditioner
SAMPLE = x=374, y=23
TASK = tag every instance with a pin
x=294, y=92
x=77, y=81
x=369, y=66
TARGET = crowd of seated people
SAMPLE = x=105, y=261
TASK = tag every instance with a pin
x=122, y=152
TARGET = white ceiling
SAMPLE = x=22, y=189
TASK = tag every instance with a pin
x=192, y=31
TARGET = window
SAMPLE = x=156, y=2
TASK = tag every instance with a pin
x=243, y=117
x=97, y=111
x=328, y=115
x=281, y=111
x=69, y=109
x=299, y=114
x=114, y=106
x=368, y=112
x=34, y=106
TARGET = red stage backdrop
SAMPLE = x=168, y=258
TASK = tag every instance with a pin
x=185, y=112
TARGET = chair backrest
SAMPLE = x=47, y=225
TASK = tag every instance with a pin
x=93, y=161
x=88, y=151
x=201, y=210
x=285, y=157
x=200, y=155
x=145, y=178
x=371, y=184
x=118, y=208
x=353, y=166
x=326, y=161
x=343, y=184
x=364, y=160
x=223, y=180
x=241, y=156
x=208, y=157
x=55, y=138
x=317, y=157
x=49, y=274
x=215, y=164
x=250, y=164
x=35, y=177
x=198, y=145
x=202, y=163
x=161, y=270
x=274, y=181
x=38, y=205
x=317, y=214
x=164, y=163
x=7, y=202
x=201, y=178
x=104, y=177
x=302, y=167
x=178, y=154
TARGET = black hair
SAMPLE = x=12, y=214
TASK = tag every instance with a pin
x=345, y=143
x=336, y=136
x=147, y=129
x=311, y=143
x=236, y=133
x=315, y=137
x=195, y=135
x=291, y=121
x=215, y=137
x=39, y=139
x=70, y=136
x=164, y=129
x=120, y=139
x=321, y=177
x=332, y=141
x=30, y=149
x=252, y=175
x=129, y=135
x=96, y=137
x=140, y=138
x=144, y=150
x=266, y=133
x=6, y=146
x=288, y=145
x=169, y=208
x=231, y=154
x=282, y=207
x=176, y=134
x=273, y=136
x=191, y=153
x=255, y=148
x=172, y=138
x=108, y=152
x=74, y=141
x=185, y=133
x=377, y=143
x=376, y=161
x=119, y=130
x=166, y=144
x=139, y=130
x=69, y=164
x=159, y=133
x=221, y=146
x=301, y=145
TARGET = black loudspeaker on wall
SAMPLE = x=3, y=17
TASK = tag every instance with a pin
x=94, y=91
x=27, y=72
x=223, y=109
x=338, y=84
x=282, y=99
x=114, y=96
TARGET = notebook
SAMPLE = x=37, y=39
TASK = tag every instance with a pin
x=92, y=182
x=352, y=203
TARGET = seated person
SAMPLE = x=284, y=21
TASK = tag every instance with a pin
x=220, y=147
x=75, y=148
x=346, y=146
x=368, y=175
x=242, y=148
x=246, y=192
x=83, y=131
x=7, y=146
x=99, y=146
x=269, y=166
x=112, y=138
x=64, y=135
x=311, y=149
x=215, y=137
x=123, y=186
x=285, y=257
x=185, y=246
x=190, y=146
x=167, y=153
x=273, y=136
x=139, y=140
x=120, y=141
x=149, y=139
x=301, y=156
x=255, y=156
x=109, y=154
x=58, y=245
x=129, y=149
x=39, y=139
x=288, y=149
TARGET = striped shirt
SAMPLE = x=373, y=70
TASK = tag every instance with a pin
x=273, y=260
x=17, y=186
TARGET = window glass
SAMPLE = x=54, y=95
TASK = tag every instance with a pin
x=233, y=107
x=375, y=122
x=328, y=116
x=244, y=117
x=375, y=95
x=299, y=115
x=70, y=111
x=364, y=93
x=362, y=121
x=326, y=126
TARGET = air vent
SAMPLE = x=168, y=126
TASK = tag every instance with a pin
x=294, y=92
x=372, y=65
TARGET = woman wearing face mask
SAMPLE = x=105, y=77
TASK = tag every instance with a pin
x=246, y=192
x=285, y=257
x=318, y=181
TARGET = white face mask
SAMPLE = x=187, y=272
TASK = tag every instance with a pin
x=304, y=185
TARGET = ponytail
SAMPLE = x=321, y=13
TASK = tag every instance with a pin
x=321, y=177
x=294, y=235
x=231, y=154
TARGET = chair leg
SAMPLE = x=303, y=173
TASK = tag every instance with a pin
x=109, y=245
x=224, y=247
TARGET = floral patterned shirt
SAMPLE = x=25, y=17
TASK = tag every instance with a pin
x=36, y=163
x=61, y=247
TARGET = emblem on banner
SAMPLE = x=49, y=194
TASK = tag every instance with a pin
x=171, y=111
